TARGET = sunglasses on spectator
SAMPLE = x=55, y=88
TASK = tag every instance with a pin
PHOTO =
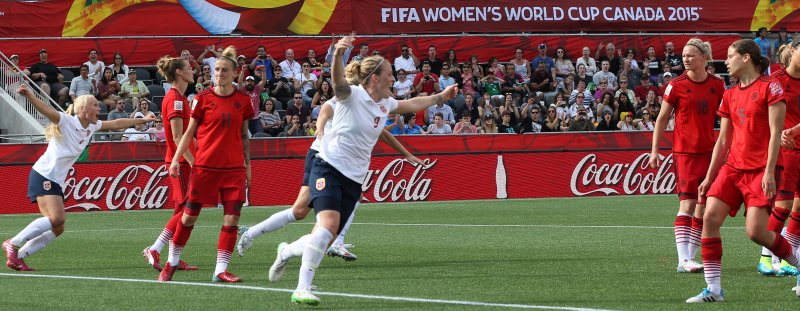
x=603, y=82
x=298, y=97
x=404, y=50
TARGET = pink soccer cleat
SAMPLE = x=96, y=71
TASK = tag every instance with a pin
x=153, y=258
x=226, y=277
x=14, y=262
x=166, y=273
x=185, y=266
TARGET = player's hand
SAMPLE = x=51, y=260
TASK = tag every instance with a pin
x=787, y=138
x=450, y=92
x=320, y=132
x=655, y=160
x=768, y=185
x=414, y=160
x=704, y=187
x=345, y=42
x=174, y=169
x=23, y=90
x=248, y=174
x=149, y=118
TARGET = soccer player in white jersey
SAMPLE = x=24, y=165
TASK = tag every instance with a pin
x=300, y=208
x=68, y=136
x=365, y=100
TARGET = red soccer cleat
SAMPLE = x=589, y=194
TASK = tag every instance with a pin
x=153, y=258
x=166, y=273
x=182, y=265
x=226, y=277
x=14, y=262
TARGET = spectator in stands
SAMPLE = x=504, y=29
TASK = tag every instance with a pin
x=411, y=127
x=633, y=75
x=305, y=82
x=521, y=65
x=665, y=78
x=614, y=59
x=446, y=80
x=464, y=126
x=542, y=79
x=211, y=60
x=452, y=61
x=427, y=83
x=407, y=61
x=606, y=123
x=652, y=63
x=157, y=132
x=95, y=66
x=49, y=78
x=507, y=126
x=583, y=96
x=296, y=107
x=578, y=102
x=623, y=88
x=602, y=88
x=624, y=105
x=510, y=106
x=311, y=59
x=530, y=104
x=563, y=64
x=732, y=82
x=82, y=84
x=606, y=75
x=117, y=113
x=445, y=111
x=626, y=122
x=552, y=123
x=646, y=123
x=561, y=103
x=206, y=77
x=251, y=88
x=324, y=93
x=651, y=104
x=363, y=52
x=120, y=69
x=607, y=103
x=485, y=106
x=133, y=90
x=138, y=132
x=435, y=63
x=665, y=69
x=189, y=58
x=534, y=122
x=567, y=86
x=583, y=76
x=644, y=87
x=630, y=54
x=470, y=82
x=279, y=88
x=581, y=122
x=394, y=124
x=270, y=119
x=108, y=88
x=495, y=68
x=490, y=85
x=476, y=67
x=289, y=67
x=488, y=125
x=143, y=108
x=263, y=59
x=764, y=43
x=242, y=69
x=470, y=107
x=295, y=128
x=14, y=73
x=587, y=61
x=325, y=75
x=15, y=61
x=438, y=126
x=672, y=59
x=402, y=87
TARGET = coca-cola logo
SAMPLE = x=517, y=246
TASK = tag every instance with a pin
x=121, y=191
x=388, y=184
x=590, y=177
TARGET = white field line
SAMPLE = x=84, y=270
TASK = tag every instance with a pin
x=282, y=290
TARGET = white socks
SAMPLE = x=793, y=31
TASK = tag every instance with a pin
x=274, y=222
x=340, y=237
x=34, y=229
x=312, y=256
x=296, y=248
x=36, y=244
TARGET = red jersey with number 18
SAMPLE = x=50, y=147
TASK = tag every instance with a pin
x=748, y=110
x=173, y=106
x=695, y=107
x=219, y=131
x=791, y=89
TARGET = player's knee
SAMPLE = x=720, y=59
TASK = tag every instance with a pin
x=56, y=220
x=58, y=230
x=188, y=220
x=300, y=213
x=760, y=237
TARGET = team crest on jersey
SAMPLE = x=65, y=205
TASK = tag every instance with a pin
x=754, y=96
x=320, y=183
x=667, y=90
x=178, y=105
x=775, y=89
x=383, y=108
x=46, y=185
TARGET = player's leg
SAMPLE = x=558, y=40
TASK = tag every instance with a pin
x=298, y=211
x=180, y=187
x=683, y=229
x=337, y=247
x=711, y=249
x=233, y=196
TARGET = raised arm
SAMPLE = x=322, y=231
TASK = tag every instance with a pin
x=420, y=103
x=50, y=113
x=124, y=123
x=340, y=86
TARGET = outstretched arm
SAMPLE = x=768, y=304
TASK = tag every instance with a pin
x=41, y=106
x=421, y=103
x=124, y=123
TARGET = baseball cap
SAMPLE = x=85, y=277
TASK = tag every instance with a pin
x=250, y=78
x=14, y=56
x=668, y=74
x=241, y=56
x=487, y=116
x=542, y=46
x=42, y=51
x=138, y=115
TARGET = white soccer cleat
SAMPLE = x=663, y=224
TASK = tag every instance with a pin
x=276, y=271
x=245, y=241
x=341, y=251
x=707, y=296
x=305, y=296
x=689, y=266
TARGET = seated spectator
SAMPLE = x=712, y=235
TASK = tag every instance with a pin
x=530, y=105
x=624, y=105
x=143, y=108
x=13, y=71
x=117, y=113
x=476, y=67
x=394, y=124
x=411, y=127
x=550, y=64
x=563, y=65
x=407, y=62
x=438, y=126
x=325, y=75
x=446, y=80
x=206, y=77
x=452, y=61
x=465, y=126
x=108, y=88
x=626, y=124
x=427, y=82
x=297, y=108
x=470, y=83
x=305, y=81
x=623, y=88
x=590, y=66
x=157, y=132
x=606, y=123
x=363, y=52
x=316, y=66
x=602, y=88
x=541, y=80
x=652, y=63
x=198, y=88
x=605, y=74
x=137, y=132
x=82, y=84
x=210, y=61
x=264, y=60
x=324, y=93
x=133, y=91
x=510, y=106
x=650, y=103
x=242, y=67
x=567, y=86
x=630, y=55
x=248, y=86
x=488, y=125
x=513, y=83
x=580, y=102
x=614, y=60
x=289, y=67
x=402, y=87
x=270, y=119
x=607, y=103
x=279, y=88
x=552, y=123
x=521, y=65
x=95, y=66
x=495, y=68
x=312, y=128
x=120, y=69
x=491, y=86
x=533, y=123
x=189, y=58
x=582, y=75
x=665, y=79
x=470, y=107
x=294, y=127
x=435, y=63
x=581, y=122
x=485, y=106
x=445, y=111
x=588, y=99
x=633, y=75
x=507, y=126
x=644, y=87
x=646, y=123
x=49, y=79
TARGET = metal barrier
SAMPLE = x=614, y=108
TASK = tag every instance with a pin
x=11, y=77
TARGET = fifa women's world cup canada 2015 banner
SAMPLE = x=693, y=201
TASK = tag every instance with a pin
x=455, y=168
x=80, y=18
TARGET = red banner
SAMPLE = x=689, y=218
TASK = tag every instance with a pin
x=81, y=18
x=498, y=166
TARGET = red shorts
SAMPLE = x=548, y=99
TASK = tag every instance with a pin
x=691, y=171
x=180, y=186
x=733, y=187
x=789, y=186
x=208, y=187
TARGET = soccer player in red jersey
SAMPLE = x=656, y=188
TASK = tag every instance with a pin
x=175, y=111
x=785, y=203
x=219, y=118
x=744, y=163
x=694, y=97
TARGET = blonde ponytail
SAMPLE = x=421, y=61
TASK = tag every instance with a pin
x=360, y=72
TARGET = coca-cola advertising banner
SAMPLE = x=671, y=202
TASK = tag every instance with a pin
x=126, y=186
x=81, y=18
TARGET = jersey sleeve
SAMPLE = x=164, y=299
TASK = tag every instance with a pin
x=724, y=109
x=670, y=94
x=247, y=110
x=392, y=104
x=197, y=108
x=775, y=93
x=172, y=108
